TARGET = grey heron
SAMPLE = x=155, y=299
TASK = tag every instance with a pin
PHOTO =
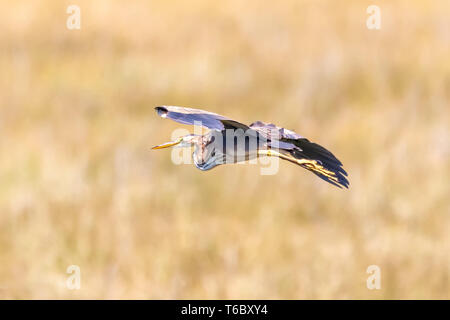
x=229, y=141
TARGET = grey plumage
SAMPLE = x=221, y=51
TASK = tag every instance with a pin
x=230, y=141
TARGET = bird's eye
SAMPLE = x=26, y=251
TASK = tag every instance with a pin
x=211, y=141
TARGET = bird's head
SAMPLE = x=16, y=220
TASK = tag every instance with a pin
x=182, y=142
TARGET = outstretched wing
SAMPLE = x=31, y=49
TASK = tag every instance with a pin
x=206, y=119
x=301, y=151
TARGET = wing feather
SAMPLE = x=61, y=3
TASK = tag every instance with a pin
x=192, y=116
x=269, y=130
x=302, y=149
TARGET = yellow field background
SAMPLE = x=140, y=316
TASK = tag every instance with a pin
x=79, y=184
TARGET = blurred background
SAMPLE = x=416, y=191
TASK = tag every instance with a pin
x=79, y=184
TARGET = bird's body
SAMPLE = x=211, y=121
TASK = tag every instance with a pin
x=229, y=141
x=226, y=146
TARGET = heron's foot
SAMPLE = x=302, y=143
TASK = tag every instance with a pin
x=315, y=166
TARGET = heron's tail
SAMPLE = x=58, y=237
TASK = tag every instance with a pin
x=320, y=161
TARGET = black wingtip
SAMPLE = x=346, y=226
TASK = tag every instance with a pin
x=162, y=111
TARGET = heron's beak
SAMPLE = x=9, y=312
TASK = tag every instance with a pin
x=167, y=144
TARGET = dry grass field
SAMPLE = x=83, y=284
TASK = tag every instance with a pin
x=79, y=184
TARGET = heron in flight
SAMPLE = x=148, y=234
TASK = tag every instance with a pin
x=229, y=141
